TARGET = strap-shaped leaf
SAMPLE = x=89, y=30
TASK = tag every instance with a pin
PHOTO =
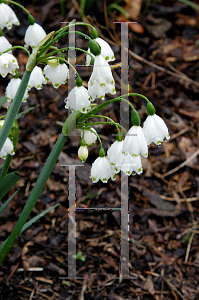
x=30, y=222
x=36, y=218
x=4, y=205
x=21, y=114
x=7, y=182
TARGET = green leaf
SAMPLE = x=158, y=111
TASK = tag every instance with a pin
x=7, y=182
x=3, y=100
x=26, y=111
x=119, y=8
x=79, y=256
x=36, y=218
x=29, y=223
x=4, y=205
x=66, y=283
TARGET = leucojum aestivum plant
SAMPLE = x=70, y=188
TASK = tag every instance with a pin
x=48, y=63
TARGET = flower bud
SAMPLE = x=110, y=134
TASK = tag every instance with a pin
x=150, y=109
x=83, y=153
x=95, y=48
x=53, y=63
x=94, y=33
x=135, y=118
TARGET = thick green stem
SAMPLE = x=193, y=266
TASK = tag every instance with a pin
x=14, y=108
x=39, y=186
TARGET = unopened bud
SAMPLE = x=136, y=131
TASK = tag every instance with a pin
x=53, y=63
x=83, y=153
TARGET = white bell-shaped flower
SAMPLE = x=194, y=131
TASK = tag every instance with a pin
x=115, y=155
x=57, y=75
x=36, y=79
x=83, y=153
x=131, y=165
x=106, y=51
x=5, y=45
x=135, y=142
x=126, y=163
x=12, y=88
x=101, y=77
x=7, y=17
x=33, y=36
x=102, y=170
x=155, y=130
x=78, y=99
x=89, y=137
x=8, y=64
x=97, y=91
x=7, y=148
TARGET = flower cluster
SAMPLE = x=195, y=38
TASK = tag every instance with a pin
x=125, y=155
x=8, y=63
x=101, y=80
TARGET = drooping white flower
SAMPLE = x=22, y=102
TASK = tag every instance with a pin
x=83, y=153
x=135, y=142
x=12, y=88
x=155, y=130
x=78, y=99
x=101, y=170
x=115, y=155
x=131, y=165
x=5, y=45
x=89, y=137
x=34, y=34
x=7, y=17
x=7, y=148
x=101, y=77
x=8, y=64
x=97, y=91
x=36, y=79
x=106, y=51
x=57, y=75
x=126, y=163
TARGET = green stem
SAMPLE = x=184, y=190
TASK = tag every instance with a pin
x=14, y=108
x=21, y=6
x=83, y=34
x=190, y=3
x=41, y=59
x=18, y=47
x=119, y=8
x=73, y=24
x=39, y=186
x=62, y=7
x=112, y=122
x=59, y=34
x=103, y=105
